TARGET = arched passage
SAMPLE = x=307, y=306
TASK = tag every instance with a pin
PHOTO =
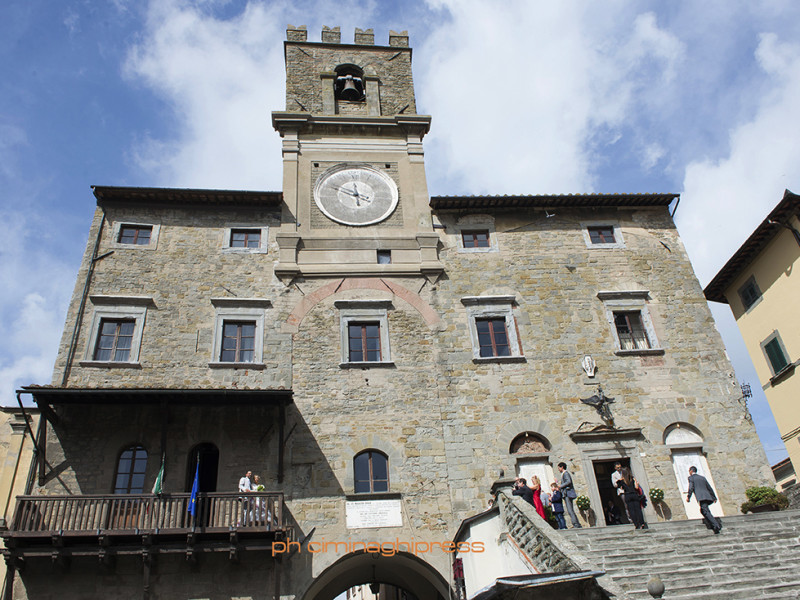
x=402, y=570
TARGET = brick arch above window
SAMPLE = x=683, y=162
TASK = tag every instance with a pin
x=308, y=302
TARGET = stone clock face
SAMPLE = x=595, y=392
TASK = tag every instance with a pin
x=355, y=194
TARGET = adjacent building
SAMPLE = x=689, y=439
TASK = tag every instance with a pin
x=759, y=284
x=378, y=356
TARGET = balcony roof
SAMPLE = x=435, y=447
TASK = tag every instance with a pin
x=57, y=395
x=107, y=195
x=552, y=201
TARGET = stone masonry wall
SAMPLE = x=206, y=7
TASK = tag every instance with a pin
x=306, y=62
x=444, y=421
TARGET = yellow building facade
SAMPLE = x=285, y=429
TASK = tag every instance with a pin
x=761, y=285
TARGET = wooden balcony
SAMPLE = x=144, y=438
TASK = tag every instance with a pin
x=126, y=523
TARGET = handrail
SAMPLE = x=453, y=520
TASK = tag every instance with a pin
x=92, y=513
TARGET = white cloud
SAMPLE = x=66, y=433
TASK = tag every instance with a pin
x=221, y=78
x=524, y=93
x=218, y=78
x=724, y=199
x=33, y=297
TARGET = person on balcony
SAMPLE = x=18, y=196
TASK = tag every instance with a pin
x=245, y=486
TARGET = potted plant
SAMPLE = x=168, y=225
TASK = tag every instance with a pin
x=656, y=495
x=762, y=499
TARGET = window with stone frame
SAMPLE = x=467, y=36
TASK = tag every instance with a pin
x=476, y=234
x=238, y=341
x=631, y=332
x=749, y=293
x=115, y=340
x=238, y=332
x=131, y=467
x=245, y=238
x=364, y=329
x=602, y=235
x=371, y=472
x=136, y=235
x=629, y=318
x=115, y=335
x=493, y=328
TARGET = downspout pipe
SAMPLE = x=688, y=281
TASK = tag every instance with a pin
x=87, y=284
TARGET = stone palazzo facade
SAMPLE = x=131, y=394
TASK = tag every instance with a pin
x=378, y=356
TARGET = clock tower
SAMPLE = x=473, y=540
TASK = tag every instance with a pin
x=355, y=195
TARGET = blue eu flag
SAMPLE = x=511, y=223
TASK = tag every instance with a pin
x=192, y=508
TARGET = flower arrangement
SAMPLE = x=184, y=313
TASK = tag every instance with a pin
x=582, y=502
x=656, y=495
x=260, y=488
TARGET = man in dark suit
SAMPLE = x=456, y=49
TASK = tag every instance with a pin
x=702, y=490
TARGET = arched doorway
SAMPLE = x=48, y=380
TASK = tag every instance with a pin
x=686, y=448
x=404, y=571
x=531, y=452
x=208, y=456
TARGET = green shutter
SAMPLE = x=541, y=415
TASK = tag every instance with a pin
x=775, y=355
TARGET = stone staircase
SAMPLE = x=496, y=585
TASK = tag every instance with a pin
x=755, y=557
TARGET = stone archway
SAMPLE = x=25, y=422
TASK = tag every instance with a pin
x=402, y=570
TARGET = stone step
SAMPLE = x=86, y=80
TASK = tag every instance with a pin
x=738, y=590
x=755, y=557
x=719, y=564
x=676, y=579
x=722, y=543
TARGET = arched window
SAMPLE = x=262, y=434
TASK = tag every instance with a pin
x=131, y=467
x=371, y=470
x=349, y=83
x=528, y=442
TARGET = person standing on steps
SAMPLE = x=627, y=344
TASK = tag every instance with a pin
x=630, y=488
x=702, y=490
x=569, y=493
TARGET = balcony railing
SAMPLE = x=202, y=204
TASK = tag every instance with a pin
x=138, y=513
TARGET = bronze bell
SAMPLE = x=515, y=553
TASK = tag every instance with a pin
x=350, y=88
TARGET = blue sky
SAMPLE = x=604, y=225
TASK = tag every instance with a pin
x=526, y=97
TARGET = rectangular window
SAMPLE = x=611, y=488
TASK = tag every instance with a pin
x=364, y=342
x=630, y=331
x=749, y=293
x=114, y=340
x=137, y=235
x=493, y=337
x=245, y=238
x=476, y=238
x=238, y=341
x=384, y=257
x=776, y=356
x=601, y=234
